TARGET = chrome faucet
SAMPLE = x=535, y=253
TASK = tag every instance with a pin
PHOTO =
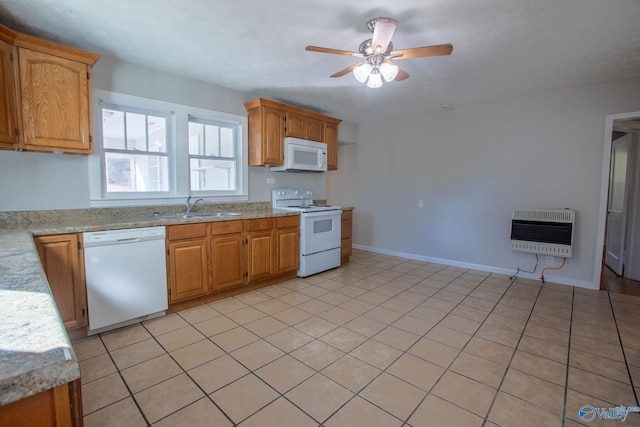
x=190, y=205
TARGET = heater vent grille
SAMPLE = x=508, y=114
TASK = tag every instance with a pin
x=543, y=231
x=551, y=215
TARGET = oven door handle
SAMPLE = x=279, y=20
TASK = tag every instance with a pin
x=336, y=212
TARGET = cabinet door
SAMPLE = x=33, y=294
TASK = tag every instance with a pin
x=8, y=106
x=55, y=102
x=188, y=273
x=315, y=129
x=273, y=136
x=331, y=139
x=260, y=255
x=295, y=126
x=346, y=243
x=63, y=263
x=288, y=249
x=227, y=261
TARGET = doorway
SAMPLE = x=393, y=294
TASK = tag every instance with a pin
x=619, y=220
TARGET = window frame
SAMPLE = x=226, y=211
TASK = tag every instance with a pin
x=177, y=146
x=169, y=154
x=235, y=158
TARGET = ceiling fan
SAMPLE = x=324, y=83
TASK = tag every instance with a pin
x=377, y=54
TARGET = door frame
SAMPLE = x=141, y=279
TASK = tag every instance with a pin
x=604, y=190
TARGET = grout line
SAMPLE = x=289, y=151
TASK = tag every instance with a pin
x=566, y=378
x=624, y=353
x=515, y=350
x=387, y=324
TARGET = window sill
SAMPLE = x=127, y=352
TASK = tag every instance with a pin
x=113, y=203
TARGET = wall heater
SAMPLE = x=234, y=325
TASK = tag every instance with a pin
x=543, y=231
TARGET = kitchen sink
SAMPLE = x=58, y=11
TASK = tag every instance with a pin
x=196, y=215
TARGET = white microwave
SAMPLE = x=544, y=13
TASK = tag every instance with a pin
x=301, y=155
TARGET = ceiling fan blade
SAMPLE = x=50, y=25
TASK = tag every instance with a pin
x=420, y=52
x=346, y=70
x=334, y=51
x=402, y=74
x=382, y=33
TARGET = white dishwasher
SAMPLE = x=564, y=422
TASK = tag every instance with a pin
x=126, y=276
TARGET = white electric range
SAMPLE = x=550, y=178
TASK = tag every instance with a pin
x=319, y=229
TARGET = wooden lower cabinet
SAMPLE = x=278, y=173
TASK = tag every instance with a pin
x=261, y=249
x=62, y=259
x=187, y=262
x=227, y=254
x=60, y=406
x=288, y=240
x=209, y=258
x=346, y=236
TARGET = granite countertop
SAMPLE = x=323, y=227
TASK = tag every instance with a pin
x=40, y=223
x=35, y=351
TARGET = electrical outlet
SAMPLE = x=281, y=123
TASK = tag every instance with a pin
x=271, y=180
x=421, y=203
x=549, y=260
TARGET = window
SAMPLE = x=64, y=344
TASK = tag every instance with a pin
x=136, y=158
x=212, y=155
x=153, y=152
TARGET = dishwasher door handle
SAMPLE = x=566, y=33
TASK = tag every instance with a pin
x=129, y=240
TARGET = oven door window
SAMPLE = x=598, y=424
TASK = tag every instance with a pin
x=322, y=226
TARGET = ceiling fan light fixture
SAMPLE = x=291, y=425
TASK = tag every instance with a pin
x=375, y=80
x=388, y=71
x=362, y=71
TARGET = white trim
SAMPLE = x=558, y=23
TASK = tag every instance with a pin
x=164, y=201
x=480, y=267
x=180, y=114
x=604, y=192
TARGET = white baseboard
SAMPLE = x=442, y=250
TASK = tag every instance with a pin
x=481, y=267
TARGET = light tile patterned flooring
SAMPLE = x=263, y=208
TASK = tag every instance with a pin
x=383, y=341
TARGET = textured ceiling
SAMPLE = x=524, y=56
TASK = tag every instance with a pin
x=502, y=48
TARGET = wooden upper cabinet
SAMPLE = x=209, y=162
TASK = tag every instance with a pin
x=55, y=102
x=300, y=126
x=314, y=129
x=8, y=113
x=331, y=139
x=266, y=136
x=270, y=122
x=52, y=87
x=296, y=125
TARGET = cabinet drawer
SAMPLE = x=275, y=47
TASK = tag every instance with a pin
x=287, y=221
x=259, y=224
x=347, y=215
x=187, y=231
x=226, y=227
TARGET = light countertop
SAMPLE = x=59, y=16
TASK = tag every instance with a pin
x=35, y=350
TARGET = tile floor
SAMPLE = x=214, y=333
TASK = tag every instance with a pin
x=383, y=341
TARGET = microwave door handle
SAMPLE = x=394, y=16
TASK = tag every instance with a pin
x=321, y=158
